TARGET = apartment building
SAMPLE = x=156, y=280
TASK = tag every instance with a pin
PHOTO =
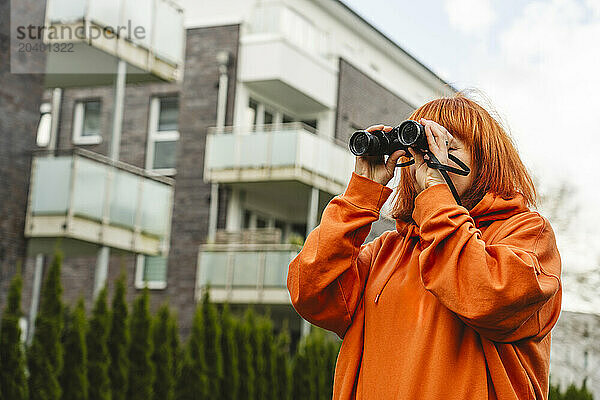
x=204, y=159
x=211, y=168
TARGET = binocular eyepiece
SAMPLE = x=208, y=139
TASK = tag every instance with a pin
x=408, y=134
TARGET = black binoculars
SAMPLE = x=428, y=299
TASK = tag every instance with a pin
x=408, y=134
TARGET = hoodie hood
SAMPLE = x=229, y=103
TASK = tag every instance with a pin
x=491, y=208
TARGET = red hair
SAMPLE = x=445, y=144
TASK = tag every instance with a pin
x=497, y=168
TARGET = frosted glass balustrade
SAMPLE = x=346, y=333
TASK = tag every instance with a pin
x=221, y=151
x=141, y=14
x=213, y=268
x=82, y=186
x=276, y=268
x=296, y=28
x=284, y=148
x=296, y=147
x=89, y=189
x=245, y=268
x=51, y=179
x=66, y=10
x=124, y=198
x=161, y=21
x=168, y=37
x=156, y=200
x=105, y=12
x=253, y=150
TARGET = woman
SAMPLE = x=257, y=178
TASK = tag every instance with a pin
x=457, y=302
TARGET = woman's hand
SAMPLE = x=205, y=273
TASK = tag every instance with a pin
x=439, y=139
x=374, y=167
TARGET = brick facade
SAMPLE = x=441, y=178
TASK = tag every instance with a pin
x=363, y=102
x=20, y=98
x=198, y=111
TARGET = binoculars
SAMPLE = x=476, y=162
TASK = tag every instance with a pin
x=408, y=134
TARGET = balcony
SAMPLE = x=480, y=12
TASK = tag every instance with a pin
x=245, y=272
x=86, y=197
x=147, y=34
x=290, y=152
x=285, y=56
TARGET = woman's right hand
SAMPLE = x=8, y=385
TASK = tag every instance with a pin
x=374, y=167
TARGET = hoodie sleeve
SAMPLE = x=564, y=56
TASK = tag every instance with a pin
x=327, y=278
x=508, y=289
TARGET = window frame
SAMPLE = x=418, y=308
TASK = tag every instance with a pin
x=154, y=135
x=78, y=120
x=140, y=283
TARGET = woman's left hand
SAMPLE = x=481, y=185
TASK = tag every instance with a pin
x=439, y=139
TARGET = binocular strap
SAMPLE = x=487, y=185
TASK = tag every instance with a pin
x=433, y=162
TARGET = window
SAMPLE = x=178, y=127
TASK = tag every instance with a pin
x=310, y=122
x=251, y=112
x=151, y=271
x=86, y=122
x=161, y=155
x=268, y=118
x=261, y=222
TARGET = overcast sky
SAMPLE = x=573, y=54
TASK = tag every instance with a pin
x=539, y=64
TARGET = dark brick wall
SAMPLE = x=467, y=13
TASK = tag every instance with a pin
x=198, y=111
x=20, y=97
x=363, y=102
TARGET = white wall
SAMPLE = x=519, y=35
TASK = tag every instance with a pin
x=349, y=38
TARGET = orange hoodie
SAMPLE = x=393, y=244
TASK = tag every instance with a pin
x=457, y=306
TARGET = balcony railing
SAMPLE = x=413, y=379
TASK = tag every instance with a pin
x=86, y=196
x=278, y=18
x=245, y=272
x=148, y=34
x=290, y=151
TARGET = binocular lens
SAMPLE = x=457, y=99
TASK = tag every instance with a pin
x=409, y=133
x=379, y=142
x=361, y=143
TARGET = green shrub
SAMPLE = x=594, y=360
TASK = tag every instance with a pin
x=74, y=378
x=246, y=360
x=45, y=355
x=97, y=350
x=162, y=357
x=118, y=342
x=193, y=381
x=211, y=340
x=231, y=373
x=141, y=369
